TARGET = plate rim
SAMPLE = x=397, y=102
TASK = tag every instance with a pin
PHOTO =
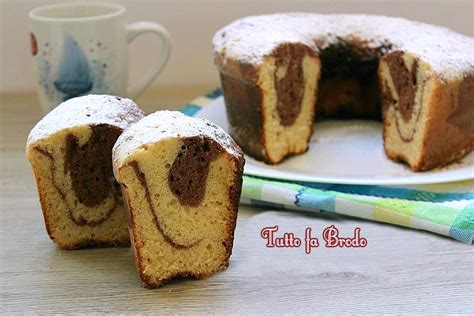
x=413, y=180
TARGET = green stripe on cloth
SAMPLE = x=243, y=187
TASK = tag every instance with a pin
x=435, y=213
x=462, y=226
x=252, y=190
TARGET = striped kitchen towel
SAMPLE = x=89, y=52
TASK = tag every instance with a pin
x=446, y=209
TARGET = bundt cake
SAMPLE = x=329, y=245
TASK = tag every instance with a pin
x=281, y=71
x=70, y=151
x=181, y=178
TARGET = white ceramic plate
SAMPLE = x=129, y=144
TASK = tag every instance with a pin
x=346, y=152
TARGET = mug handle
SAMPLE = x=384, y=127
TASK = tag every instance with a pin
x=133, y=31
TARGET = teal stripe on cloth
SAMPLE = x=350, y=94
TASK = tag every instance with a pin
x=190, y=109
x=387, y=192
x=310, y=198
x=214, y=94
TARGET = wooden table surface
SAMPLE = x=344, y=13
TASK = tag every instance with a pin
x=400, y=270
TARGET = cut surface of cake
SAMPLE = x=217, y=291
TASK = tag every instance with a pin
x=181, y=178
x=70, y=151
x=280, y=71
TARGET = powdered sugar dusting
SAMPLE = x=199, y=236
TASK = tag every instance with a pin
x=169, y=124
x=250, y=39
x=87, y=110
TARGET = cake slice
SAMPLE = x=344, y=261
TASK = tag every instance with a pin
x=428, y=121
x=70, y=151
x=273, y=116
x=181, y=178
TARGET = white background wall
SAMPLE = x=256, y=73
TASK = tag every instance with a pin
x=192, y=24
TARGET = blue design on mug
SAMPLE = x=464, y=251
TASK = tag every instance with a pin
x=74, y=76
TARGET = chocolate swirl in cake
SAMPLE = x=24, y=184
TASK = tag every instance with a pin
x=91, y=164
x=404, y=80
x=188, y=174
x=90, y=170
x=289, y=82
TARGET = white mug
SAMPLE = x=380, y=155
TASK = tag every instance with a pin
x=81, y=48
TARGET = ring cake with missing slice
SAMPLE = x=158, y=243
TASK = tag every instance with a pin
x=281, y=71
x=181, y=178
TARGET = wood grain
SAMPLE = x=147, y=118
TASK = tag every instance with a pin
x=401, y=270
